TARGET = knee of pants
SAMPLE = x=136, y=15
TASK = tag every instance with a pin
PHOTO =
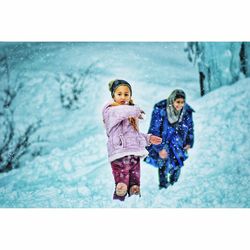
x=121, y=177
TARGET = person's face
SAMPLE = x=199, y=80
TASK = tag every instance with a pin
x=179, y=103
x=122, y=95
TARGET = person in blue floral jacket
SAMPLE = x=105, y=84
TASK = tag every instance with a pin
x=172, y=121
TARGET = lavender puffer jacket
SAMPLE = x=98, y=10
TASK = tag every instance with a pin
x=123, y=139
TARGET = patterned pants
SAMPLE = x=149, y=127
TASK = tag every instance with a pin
x=126, y=170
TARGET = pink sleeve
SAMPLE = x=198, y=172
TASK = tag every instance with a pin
x=114, y=115
x=147, y=137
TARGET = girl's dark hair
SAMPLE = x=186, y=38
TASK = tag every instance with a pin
x=180, y=94
x=113, y=85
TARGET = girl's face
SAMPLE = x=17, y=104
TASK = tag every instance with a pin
x=179, y=103
x=122, y=95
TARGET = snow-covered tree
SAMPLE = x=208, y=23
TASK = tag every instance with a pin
x=73, y=86
x=219, y=63
x=13, y=143
x=245, y=58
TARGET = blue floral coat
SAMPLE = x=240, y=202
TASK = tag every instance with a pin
x=174, y=137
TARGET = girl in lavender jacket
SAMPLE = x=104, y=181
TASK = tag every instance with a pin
x=125, y=143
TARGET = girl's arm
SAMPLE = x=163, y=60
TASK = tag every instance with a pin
x=115, y=114
x=147, y=138
x=156, y=128
x=152, y=139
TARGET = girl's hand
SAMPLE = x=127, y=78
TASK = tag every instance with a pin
x=155, y=139
x=163, y=154
x=187, y=147
x=141, y=115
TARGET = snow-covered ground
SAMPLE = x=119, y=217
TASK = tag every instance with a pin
x=75, y=171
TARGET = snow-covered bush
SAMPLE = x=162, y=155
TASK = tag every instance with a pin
x=13, y=144
x=74, y=87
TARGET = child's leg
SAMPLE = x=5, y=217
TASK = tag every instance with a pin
x=162, y=176
x=135, y=173
x=175, y=175
x=121, y=177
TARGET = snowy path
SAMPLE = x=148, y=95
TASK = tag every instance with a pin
x=76, y=172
